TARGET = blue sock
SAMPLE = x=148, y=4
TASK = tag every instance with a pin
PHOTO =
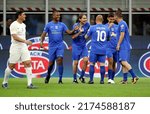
x=60, y=71
x=132, y=73
x=91, y=72
x=113, y=75
x=50, y=70
x=102, y=71
x=74, y=77
x=82, y=73
x=125, y=76
x=110, y=74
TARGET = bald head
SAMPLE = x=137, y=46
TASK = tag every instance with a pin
x=99, y=19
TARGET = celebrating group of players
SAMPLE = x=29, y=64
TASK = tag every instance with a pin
x=111, y=40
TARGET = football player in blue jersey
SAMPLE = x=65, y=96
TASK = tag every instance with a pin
x=79, y=49
x=111, y=51
x=99, y=34
x=55, y=30
x=123, y=46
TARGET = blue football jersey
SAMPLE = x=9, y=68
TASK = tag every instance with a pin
x=122, y=27
x=100, y=34
x=80, y=40
x=55, y=33
x=112, y=43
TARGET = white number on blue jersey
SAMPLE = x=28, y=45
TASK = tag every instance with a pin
x=101, y=36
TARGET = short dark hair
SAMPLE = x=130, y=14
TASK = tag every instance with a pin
x=55, y=11
x=111, y=14
x=118, y=13
x=19, y=12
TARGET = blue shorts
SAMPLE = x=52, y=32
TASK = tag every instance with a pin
x=97, y=57
x=124, y=55
x=55, y=52
x=112, y=53
x=79, y=52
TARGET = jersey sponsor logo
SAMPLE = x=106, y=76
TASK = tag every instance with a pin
x=144, y=64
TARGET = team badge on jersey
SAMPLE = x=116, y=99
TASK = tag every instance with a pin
x=144, y=64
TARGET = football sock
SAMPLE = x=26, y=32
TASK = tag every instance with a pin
x=102, y=71
x=125, y=76
x=29, y=75
x=82, y=73
x=91, y=72
x=60, y=71
x=6, y=75
x=110, y=74
x=113, y=75
x=50, y=69
x=132, y=73
x=74, y=77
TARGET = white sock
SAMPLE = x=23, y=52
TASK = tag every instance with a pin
x=6, y=75
x=29, y=75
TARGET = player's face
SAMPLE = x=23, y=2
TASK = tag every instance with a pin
x=22, y=17
x=56, y=16
x=83, y=20
x=111, y=19
x=116, y=18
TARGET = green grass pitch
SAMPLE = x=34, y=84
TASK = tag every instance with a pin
x=17, y=88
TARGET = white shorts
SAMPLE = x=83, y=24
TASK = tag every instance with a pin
x=19, y=54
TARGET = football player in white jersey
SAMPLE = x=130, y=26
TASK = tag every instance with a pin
x=19, y=50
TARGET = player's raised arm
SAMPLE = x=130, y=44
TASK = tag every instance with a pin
x=70, y=32
x=77, y=34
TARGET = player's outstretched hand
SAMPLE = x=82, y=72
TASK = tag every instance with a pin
x=28, y=42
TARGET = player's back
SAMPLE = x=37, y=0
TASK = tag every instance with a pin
x=100, y=33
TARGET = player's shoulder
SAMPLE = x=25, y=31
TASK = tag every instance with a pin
x=87, y=24
x=14, y=24
x=61, y=23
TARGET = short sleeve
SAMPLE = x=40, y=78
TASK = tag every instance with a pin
x=46, y=28
x=122, y=27
x=89, y=33
x=13, y=29
x=65, y=28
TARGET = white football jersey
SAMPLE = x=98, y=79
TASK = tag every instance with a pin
x=19, y=30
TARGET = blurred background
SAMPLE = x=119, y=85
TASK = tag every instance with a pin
x=135, y=12
x=39, y=12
